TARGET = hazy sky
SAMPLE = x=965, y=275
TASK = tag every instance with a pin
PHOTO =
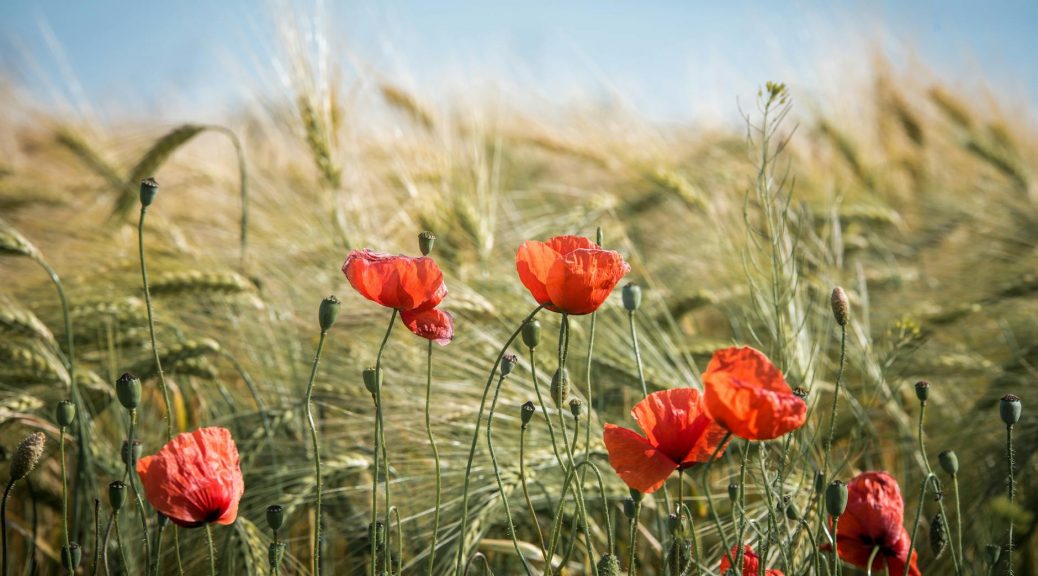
x=670, y=60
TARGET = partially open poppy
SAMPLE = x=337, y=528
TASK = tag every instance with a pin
x=874, y=518
x=678, y=435
x=750, y=563
x=435, y=325
x=746, y=393
x=569, y=274
x=399, y=282
x=195, y=478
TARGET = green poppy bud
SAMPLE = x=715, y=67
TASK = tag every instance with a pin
x=631, y=295
x=598, y=236
x=425, y=242
x=532, y=334
x=71, y=553
x=138, y=450
x=630, y=508
x=819, y=482
x=841, y=306
x=560, y=387
x=792, y=512
x=1010, y=408
x=372, y=379
x=992, y=552
x=275, y=516
x=949, y=462
x=938, y=535
x=149, y=188
x=836, y=498
x=128, y=389
x=328, y=312
x=377, y=532
x=526, y=413
x=117, y=494
x=508, y=361
x=609, y=565
x=733, y=492
x=65, y=413
x=576, y=408
x=922, y=390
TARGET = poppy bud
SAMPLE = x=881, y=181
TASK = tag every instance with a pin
x=938, y=535
x=630, y=507
x=372, y=379
x=609, y=565
x=792, y=512
x=27, y=455
x=949, y=461
x=507, y=363
x=836, y=498
x=328, y=312
x=636, y=495
x=841, y=306
x=72, y=553
x=992, y=552
x=128, y=389
x=138, y=450
x=149, y=188
x=65, y=413
x=819, y=482
x=560, y=387
x=631, y=295
x=733, y=492
x=425, y=242
x=922, y=390
x=532, y=334
x=275, y=516
x=576, y=408
x=1009, y=408
x=377, y=532
x=526, y=413
x=117, y=494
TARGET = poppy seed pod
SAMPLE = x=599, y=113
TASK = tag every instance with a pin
x=72, y=553
x=609, y=565
x=508, y=362
x=576, y=408
x=138, y=450
x=149, y=188
x=425, y=242
x=328, y=312
x=65, y=413
x=938, y=535
x=27, y=455
x=372, y=379
x=532, y=334
x=841, y=306
x=631, y=296
x=526, y=413
x=275, y=516
x=560, y=387
x=836, y=498
x=1010, y=408
x=117, y=494
x=128, y=389
x=992, y=552
x=922, y=390
x=949, y=462
x=630, y=508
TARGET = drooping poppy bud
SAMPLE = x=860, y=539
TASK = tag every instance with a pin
x=630, y=507
x=841, y=306
x=949, y=462
x=922, y=390
x=128, y=389
x=117, y=494
x=425, y=242
x=275, y=516
x=560, y=387
x=526, y=413
x=532, y=334
x=149, y=188
x=576, y=408
x=508, y=362
x=71, y=553
x=938, y=535
x=733, y=492
x=1010, y=408
x=27, y=455
x=138, y=450
x=836, y=498
x=65, y=413
x=372, y=379
x=328, y=312
x=631, y=295
x=609, y=565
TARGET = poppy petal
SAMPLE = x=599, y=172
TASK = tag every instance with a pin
x=579, y=282
x=639, y=464
x=566, y=244
x=436, y=325
x=399, y=282
x=747, y=394
x=533, y=260
x=674, y=422
x=899, y=556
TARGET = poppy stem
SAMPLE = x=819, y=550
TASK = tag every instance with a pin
x=958, y=515
x=67, y=552
x=317, y=451
x=742, y=503
x=1011, y=460
x=380, y=448
x=108, y=537
x=436, y=459
x=151, y=325
x=836, y=543
x=497, y=476
x=122, y=546
x=632, y=567
x=157, y=558
x=131, y=472
x=915, y=524
x=212, y=549
x=555, y=448
x=872, y=557
x=97, y=537
x=475, y=440
x=710, y=498
x=526, y=495
x=936, y=482
x=395, y=512
x=3, y=522
x=637, y=353
x=176, y=550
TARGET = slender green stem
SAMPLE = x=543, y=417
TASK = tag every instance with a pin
x=553, y=535
x=637, y=353
x=836, y=544
x=497, y=476
x=632, y=565
x=380, y=414
x=176, y=550
x=67, y=551
x=436, y=456
x=915, y=524
x=958, y=517
x=872, y=558
x=710, y=499
x=97, y=537
x=157, y=557
x=317, y=450
x=151, y=325
x=742, y=503
x=212, y=549
x=933, y=478
x=475, y=440
x=395, y=512
x=3, y=522
x=122, y=546
x=1011, y=460
x=131, y=473
x=108, y=538
x=526, y=495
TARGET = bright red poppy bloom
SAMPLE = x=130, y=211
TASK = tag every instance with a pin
x=195, y=478
x=569, y=274
x=750, y=563
x=399, y=282
x=874, y=518
x=678, y=435
x=435, y=325
x=746, y=393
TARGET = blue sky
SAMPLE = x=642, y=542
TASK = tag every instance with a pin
x=667, y=59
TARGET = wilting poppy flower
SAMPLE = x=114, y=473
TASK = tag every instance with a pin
x=569, y=274
x=874, y=518
x=746, y=393
x=678, y=435
x=750, y=563
x=435, y=325
x=195, y=478
x=399, y=282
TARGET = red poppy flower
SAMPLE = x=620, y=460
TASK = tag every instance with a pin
x=678, y=435
x=195, y=478
x=750, y=563
x=747, y=394
x=874, y=518
x=399, y=282
x=435, y=325
x=569, y=274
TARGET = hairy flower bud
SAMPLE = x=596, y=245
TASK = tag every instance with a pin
x=128, y=389
x=609, y=565
x=65, y=413
x=149, y=188
x=71, y=553
x=425, y=242
x=836, y=498
x=733, y=492
x=922, y=390
x=27, y=455
x=117, y=494
x=1010, y=408
x=631, y=295
x=526, y=413
x=841, y=306
x=560, y=387
x=949, y=462
x=372, y=379
x=328, y=312
x=532, y=334
x=275, y=516
x=377, y=532
x=938, y=535
x=508, y=362
x=576, y=408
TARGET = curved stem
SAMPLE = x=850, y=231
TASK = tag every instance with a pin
x=710, y=499
x=394, y=511
x=553, y=535
x=212, y=549
x=131, y=472
x=497, y=476
x=317, y=450
x=176, y=550
x=108, y=538
x=157, y=557
x=872, y=558
x=934, y=480
x=526, y=495
x=380, y=449
x=151, y=325
x=122, y=546
x=632, y=567
x=637, y=353
x=436, y=456
x=915, y=524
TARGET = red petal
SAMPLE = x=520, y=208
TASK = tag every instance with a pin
x=566, y=244
x=436, y=325
x=674, y=421
x=579, y=282
x=533, y=260
x=638, y=463
x=896, y=561
x=399, y=282
x=747, y=394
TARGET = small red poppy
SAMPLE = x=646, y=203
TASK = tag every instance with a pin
x=750, y=563
x=569, y=274
x=746, y=393
x=195, y=478
x=399, y=282
x=874, y=518
x=435, y=325
x=678, y=435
